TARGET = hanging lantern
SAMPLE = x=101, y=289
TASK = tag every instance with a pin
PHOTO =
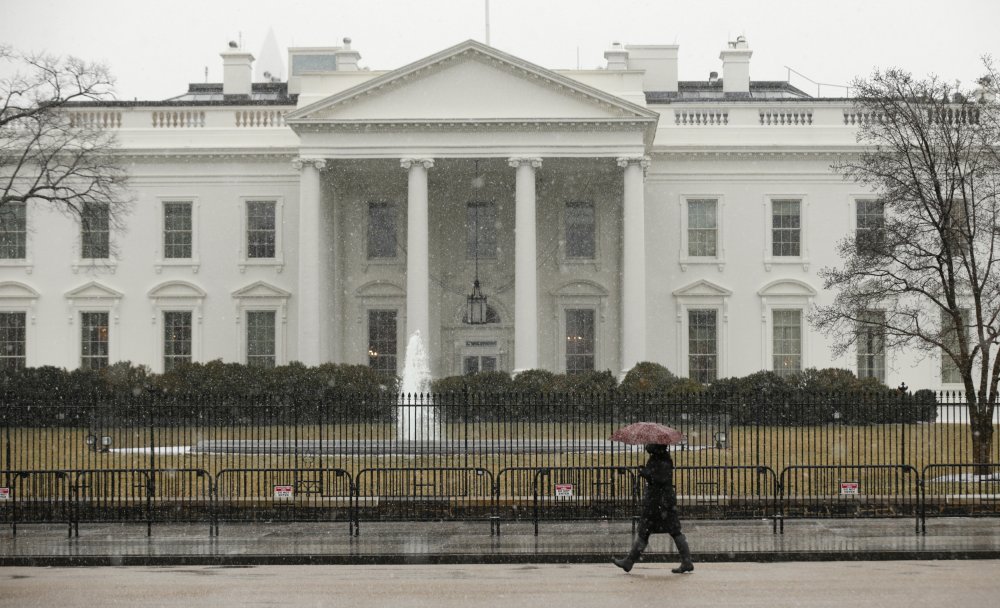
x=477, y=312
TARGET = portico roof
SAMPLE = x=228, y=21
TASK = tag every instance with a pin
x=474, y=87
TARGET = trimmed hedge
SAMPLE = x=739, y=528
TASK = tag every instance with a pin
x=815, y=396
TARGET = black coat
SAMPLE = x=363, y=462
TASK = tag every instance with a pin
x=659, y=503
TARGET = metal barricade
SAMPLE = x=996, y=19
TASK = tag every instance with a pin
x=35, y=497
x=112, y=495
x=284, y=495
x=969, y=490
x=727, y=492
x=182, y=495
x=824, y=491
x=426, y=493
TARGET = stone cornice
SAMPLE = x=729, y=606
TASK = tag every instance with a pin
x=202, y=154
x=753, y=153
x=477, y=124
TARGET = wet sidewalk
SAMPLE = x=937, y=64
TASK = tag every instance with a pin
x=471, y=542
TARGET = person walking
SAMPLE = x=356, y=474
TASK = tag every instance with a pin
x=659, y=510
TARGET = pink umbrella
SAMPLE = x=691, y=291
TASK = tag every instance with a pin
x=642, y=433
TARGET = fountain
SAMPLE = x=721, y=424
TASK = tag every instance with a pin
x=416, y=418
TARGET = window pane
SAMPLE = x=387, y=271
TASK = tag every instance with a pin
x=786, y=224
x=481, y=225
x=381, y=230
x=177, y=230
x=871, y=345
x=94, y=231
x=382, y=347
x=703, y=349
x=176, y=338
x=580, y=230
x=702, y=228
x=13, y=231
x=870, y=233
x=261, y=235
x=579, y=341
x=94, y=340
x=260, y=338
x=12, y=340
x=787, y=341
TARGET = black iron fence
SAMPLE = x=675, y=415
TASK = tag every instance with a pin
x=329, y=457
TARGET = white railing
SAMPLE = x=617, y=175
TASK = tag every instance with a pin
x=260, y=118
x=698, y=118
x=853, y=118
x=178, y=119
x=786, y=117
x=96, y=119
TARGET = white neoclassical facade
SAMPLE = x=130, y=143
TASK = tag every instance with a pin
x=610, y=216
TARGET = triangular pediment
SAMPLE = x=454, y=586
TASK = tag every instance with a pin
x=702, y=289
x=261, y=289
x=470, y=82
x=93, y=291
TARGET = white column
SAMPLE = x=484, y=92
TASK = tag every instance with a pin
x=525, y=266
x=310, y=290
x=633, y=262
x=417, y=250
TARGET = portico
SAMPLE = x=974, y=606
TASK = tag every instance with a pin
x=555, y=158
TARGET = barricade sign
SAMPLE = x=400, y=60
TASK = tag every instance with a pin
x=564, y=490
x=4, y=493
x=284, y=492
x=849, y=487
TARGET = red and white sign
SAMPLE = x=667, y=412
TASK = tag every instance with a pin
x=284, y=492
x=849, y=487
x=564, y=490
x=4, y=493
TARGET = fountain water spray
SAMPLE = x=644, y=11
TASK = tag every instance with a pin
x=416, y=416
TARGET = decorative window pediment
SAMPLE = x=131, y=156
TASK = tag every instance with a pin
x=702, y=289
x=580, y=289
x=380, y=289
x=261, y=289
x=176, y=290
x=13, y=290
x=94, y=291
x=787, y=287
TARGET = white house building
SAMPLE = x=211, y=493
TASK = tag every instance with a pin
x=610, y=216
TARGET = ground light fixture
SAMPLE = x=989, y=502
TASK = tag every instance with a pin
x=721, y=440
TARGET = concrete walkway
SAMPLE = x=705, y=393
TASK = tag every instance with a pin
x=471, y=542
x=894, y=584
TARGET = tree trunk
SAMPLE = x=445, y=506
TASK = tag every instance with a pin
x=981, y=422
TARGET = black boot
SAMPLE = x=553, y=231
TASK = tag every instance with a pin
x=682, y=547
x=638, y=546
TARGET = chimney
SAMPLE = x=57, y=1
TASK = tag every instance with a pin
x=736, y=68
x=617, y=57
x=347, y=59
x=237, y=71
x=658, y=61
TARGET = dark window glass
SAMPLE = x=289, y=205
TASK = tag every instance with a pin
x=12, y=340
x=260, y=338
x=481, y=223
x=580, y=230
x=703, y=345
x=579, y=341
x=177, y=230
x=382, y=341
x=94, y=340
x=381, y=230
x=95, y=233
x=786, y=228
x=13, y=231
x=261, y=229
x=176, y=338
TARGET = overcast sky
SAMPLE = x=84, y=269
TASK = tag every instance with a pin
x=156, y=48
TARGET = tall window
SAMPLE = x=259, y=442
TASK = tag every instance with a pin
x=703, y=228
x=870, y=233
x=950, y=374
x=261, y=229
x=13, y=231
x=95, y=231
x=786, y=228
x=579, y=341
x=382, y=347
x=381, y=230
x=12, y=340
x=481, y=223
x=580, y=230
x=871, y=345
x=703, y=345
x=176, y=338
x=94, y=340
x=177, y=230
x=260, y=338
x=787, y=341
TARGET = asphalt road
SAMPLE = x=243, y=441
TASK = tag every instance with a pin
x=888, y=584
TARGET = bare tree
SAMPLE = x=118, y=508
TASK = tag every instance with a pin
x=922, y=269
x=52, y=155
